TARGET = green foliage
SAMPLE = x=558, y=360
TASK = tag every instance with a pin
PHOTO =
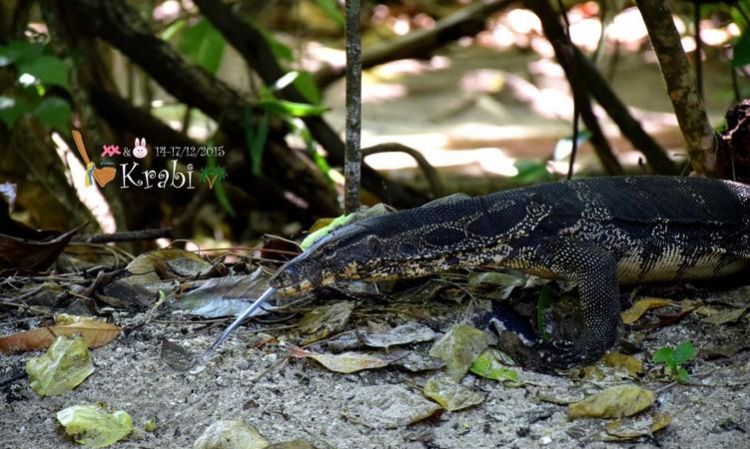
x=174, y=29
x=289, y=111
x=203, y=44
x=13, y=108
x=305, y=84
x=530, y=172
x=291, y=108
x=19, y=51
x=28, y=98
x=331, y=9
x=741, y=56
x=53, y=112
x=300, y=130
x=280, y=51
x=49, y=70
x=676, y=358
x=256, y=138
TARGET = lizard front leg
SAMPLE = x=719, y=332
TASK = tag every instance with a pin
x=594, y=270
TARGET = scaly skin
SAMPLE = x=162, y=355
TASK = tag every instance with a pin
x=597, y=233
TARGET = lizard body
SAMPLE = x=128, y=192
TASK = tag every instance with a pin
x=596, y=232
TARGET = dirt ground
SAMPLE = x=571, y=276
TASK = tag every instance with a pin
x=296, y=398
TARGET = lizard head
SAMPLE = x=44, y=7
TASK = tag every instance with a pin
x=351, y=252
x=373, y=249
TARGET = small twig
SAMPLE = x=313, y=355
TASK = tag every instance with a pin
x=124, y=236
x=698, y=45
x=353, y=151
x=273, y=366
x=428, y=170
x=25, y=307
x=665, y=387
x=576, y=101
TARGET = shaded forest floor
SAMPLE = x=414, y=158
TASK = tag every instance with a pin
x=253, y=378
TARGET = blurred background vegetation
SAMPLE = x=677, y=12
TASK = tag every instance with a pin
x=457, y=96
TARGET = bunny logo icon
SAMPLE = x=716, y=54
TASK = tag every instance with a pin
x=139, y=150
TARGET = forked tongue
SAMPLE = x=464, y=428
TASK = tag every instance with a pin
x=257, y=304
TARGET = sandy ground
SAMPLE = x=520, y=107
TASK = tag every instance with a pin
x=300, y=399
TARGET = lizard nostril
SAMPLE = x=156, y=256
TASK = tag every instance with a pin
x=282, y=278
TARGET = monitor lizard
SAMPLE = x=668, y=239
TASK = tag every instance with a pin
x=596, y=232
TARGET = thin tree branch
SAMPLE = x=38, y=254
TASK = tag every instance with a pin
x=564, y=51
x=629, y=127
x=353, y=159
x=682, y=87
x=428, y=170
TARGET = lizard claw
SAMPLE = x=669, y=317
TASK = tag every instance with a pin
x=561, y=354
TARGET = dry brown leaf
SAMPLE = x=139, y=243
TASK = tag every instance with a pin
x=26, y=255
x=641, y=306
x=719, y=317
x=96, y=333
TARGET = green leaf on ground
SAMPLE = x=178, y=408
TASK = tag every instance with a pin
x=63, y=367
x=94, y=426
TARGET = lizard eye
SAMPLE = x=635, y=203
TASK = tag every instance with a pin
x=374, y=244
x=328, y=252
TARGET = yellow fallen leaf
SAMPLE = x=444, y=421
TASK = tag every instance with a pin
x=347, y=362
x=451, y=395
x=634, y=428
x=641, y=306
x=725, y=316
x=94, y=426
x=628, y=363
x=613, y=402
x=459, y=347
x=660, y=421
x=63, y=367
